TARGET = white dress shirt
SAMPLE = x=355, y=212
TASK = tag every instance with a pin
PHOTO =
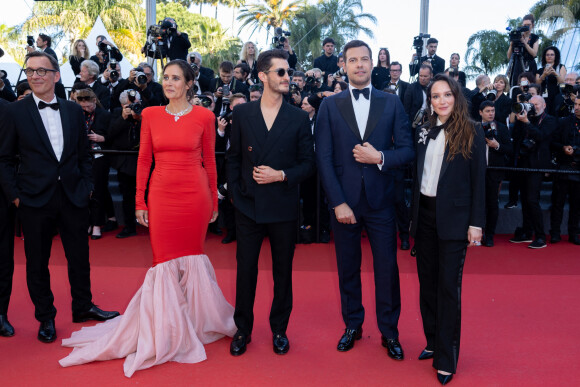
x=362, y=106
x=432, y=166
x=53, y=125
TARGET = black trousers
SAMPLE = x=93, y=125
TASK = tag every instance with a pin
x=440, y=269
x=562, y=188
x=514, y=186
x=492, y=184
x=533, y=220
x=38, y=225
x=101, y=201
x=401, y=210
x=7, y=211
x=282, y=242
x=308, y=195
x=128, y=188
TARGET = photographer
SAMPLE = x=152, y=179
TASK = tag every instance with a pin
x=6, y=91
x=105, y=53
x=79, y=53
x=327, y=62
x=395, y=83
x=203, y=75
x=498, y=148
x=484, y=91
x=437, y=63
x=255, y=92
x=241, y=73
x=112, y=79
x=454, y=64
x=225, y=86
x=564, y=101
x=526, y=46
x=292, y=58
x=152, y=85
x=532, y=134
x=141, y=80
x=43, y=42
x=313, y=83
x=177, y=42
x=124, y=134
x=89, y=74
x=416, y=98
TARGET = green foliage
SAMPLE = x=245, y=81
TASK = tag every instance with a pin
x=487, y=53
x=269, y=14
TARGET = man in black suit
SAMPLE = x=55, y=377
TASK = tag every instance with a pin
x=43, y=42
x=415, y=97
x=398, y=86
x=498, y=149
x=361, y=134
x=105, y=52
x=152, y=85
x=436, y=62
x=90, y=75
x=327, y=62
x=226, y=77
x=52, y=188
x=271, y=152
x=6, y=91
x=204, y=75
x=178, y=42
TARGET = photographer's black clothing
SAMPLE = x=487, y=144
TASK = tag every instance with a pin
x=292, y=61
x=253, y=70
x=7, y=93
x=414, y=97
x=235, y=87
x=503, y=108
x=50, y=52
x=529, y=62
x=550, y=86
x=75, y=63
x=115, y=54
x=476, y=100
x=103, y=94
x=157, y=96
x=437, y=63
x=400, y=88
x=205, y=77
x=115, y=90
x=178, y=46
x=380, y=76
x=326, y=64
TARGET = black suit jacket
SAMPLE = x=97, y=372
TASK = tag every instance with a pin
x=288, y=146
x=498, y=158
x=124, y=135
x=115, y=54
x=51, y=52
x=7, y=93
x=460, y=201
x=178, y=47
x=413, y=99
x=541, y=133
x=103, y=94
x=437, y=63
x=40, y=172
x=205, y=77
x=402, y=88
x=237, y=87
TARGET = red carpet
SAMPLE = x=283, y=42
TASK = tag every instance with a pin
x=520, y=322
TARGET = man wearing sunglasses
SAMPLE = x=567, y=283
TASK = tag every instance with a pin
x=52, y=189
x=271, y=152
x=361, y=135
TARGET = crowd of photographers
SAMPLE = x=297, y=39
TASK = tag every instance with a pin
x=531, y=119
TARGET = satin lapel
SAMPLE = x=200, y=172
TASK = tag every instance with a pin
x=344, y=105
x=378, y=102
x=66, y=125
x=39, y=125
x=444, y=164
x=282, y=120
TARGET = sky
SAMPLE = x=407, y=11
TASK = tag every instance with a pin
x=450, y=21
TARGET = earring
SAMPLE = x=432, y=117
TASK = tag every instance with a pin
x=432, y=111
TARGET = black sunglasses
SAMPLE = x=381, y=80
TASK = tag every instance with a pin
x=281, y=72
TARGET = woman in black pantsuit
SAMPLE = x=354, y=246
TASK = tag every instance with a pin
x=448, y=216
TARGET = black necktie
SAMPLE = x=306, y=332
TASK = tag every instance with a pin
x=434, y=131
x=53, y=106
x=365, y=92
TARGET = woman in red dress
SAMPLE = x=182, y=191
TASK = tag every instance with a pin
x=179, y=307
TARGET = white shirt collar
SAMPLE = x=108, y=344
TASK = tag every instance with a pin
x=351, y=87
x=37, y=100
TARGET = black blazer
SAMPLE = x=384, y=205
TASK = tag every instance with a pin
x=503, y=108
x=103, y=94
x=460, y=201
x=124, y=135
x=7, y=93
x=101, y=125
x=437, y=63
x=402, y=85
x=205, y=77
x=498, y=158
x=40, y=172
x=237, y=87
x=413, y=99
x=541, y=133
x=288, y=146
x=178, y=47
x=75, y=64
x=51, y=52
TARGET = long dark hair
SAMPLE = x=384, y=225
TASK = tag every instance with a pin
x=459, y=127
x=388, y=57
x=556, y=56
x=188, y=74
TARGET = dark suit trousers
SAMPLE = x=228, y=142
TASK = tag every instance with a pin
x=6, y=252
x=440, y=270
x=533, y=220
x=308, y=194
x=561, y=189
x=492, y=183
x=38, y=227
x=101, y=199
x=128, y=188
x=380, y=226
x=401, y=209
x=282, y=241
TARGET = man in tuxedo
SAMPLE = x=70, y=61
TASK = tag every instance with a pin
x=398, y=86
x=436, y=62
x=415, y=96
x=271, y=152
x=52, y=188
x=226, y=77
x=361, y=134
x=90, y=75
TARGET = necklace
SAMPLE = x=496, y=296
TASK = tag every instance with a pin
x=178, y=114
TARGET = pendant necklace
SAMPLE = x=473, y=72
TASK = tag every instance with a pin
x=178, y=114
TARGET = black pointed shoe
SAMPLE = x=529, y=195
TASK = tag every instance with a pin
x=347, y=340
x=394, y=349
x=239, y=343
x=426, y=355
x=47, y=331
x=280, y=343
x=6, y=329
x=444, y=379
x=94, y=313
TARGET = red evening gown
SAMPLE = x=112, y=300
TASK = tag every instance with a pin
x=180, y=306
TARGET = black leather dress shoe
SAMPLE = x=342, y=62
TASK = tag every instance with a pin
x=239, y=344
x=394, y=349
x=281, y=343
x=47, y=331
x=6, y=329
x=214, y=229
x=94, y=313
x=405, y=245
x=126, y=233
x=426, y=355
x=346, y=342
x=444, y=379
x=488, y=241
x=95, y=237
x=574, y=239
x=229, y=238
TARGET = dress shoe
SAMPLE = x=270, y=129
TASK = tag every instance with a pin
x=94, y=313
x=97, y=236
x=444, y=379
x=214, y=229
x=229, y=238
x=555, y=238
x=521, y=237
x=574, y=239
x=240, y=343
x=126, y=233
x=346, y=342
x=405, y=245
x=6, y=329
x=47, y=331
x=510, y=205
x=488, y=241
x=394, y=349
x=539, y=243
x=281, y=343
x=426, y=355
x=324, y=236
x=111, y=225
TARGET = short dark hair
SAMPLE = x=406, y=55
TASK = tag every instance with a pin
x=328, y=40
x=354, y=44
x=21, y=88
x=528, y=75
x=529, y=17
x=46, y=39
x=432, y=40
x=395, y=63
x=101, y=36
x=299, y=74
x=226, y=66
x=537, y=87
x=485, y=104
x=188, y=74
x=78, y=86
x=244, y=67
x=34, y=54
x=426, y=66
x=265, y=58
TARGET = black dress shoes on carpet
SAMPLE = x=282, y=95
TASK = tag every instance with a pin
x=126, y=233
x=6, y=329
x=426, y=355
x=488, y=241
x=94, y=313
x=214, y=229
x=346, y=342
x=444, y=379
x=229, y=238
x=394, y=349
x=239, y=344
x=47, y=331
x=280, y=343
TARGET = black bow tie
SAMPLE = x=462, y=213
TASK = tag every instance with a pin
x=365, y=92
x=53, y=106
x=434, y=131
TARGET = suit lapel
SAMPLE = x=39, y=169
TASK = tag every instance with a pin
x=421, y=150
x=39, y=125
x=280, y=123
x=378, y=102
x=257, y=132
x=444, y=164
x=65, y=122
x=344, y=105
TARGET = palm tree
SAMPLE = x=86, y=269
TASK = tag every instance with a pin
x=306, y=29
x=270, y=14
x=342, y=22
x=486, y=53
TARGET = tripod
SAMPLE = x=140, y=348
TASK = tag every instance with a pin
x=516, y=59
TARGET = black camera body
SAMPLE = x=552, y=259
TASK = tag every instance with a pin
x=569, y=89
x=516, y=35
x=519, y=107
x=528, y=146
x=490, y=130
x=418, y=42
x=104, y=47
x=205, y=101
x=135, y=106
x=140, y=75
x=30, y=40
x=280, y=37
x=294, y=89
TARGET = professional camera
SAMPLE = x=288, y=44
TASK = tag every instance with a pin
x=104, y=47
x=294, y=89
x=113, y=73
x=205, y=101
x=227, y=114
x=195, y=67
x=569, y=89
x=340, y=73
x=310, y=81
x=516, y=35
x=418, y=42
x=135, y=106
x=140, y=76
x=225, y=93
x=30, y=40
x=490, y=95
x=280, y=37
x=490, y=130
x=519, y=107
